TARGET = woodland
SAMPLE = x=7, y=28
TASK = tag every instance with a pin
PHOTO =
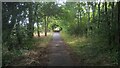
x=90, y=29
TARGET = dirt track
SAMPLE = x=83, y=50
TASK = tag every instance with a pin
x=58, y=54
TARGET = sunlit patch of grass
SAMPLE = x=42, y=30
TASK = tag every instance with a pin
x=43, y=41
x=91, y=51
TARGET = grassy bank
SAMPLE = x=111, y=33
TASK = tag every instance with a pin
x=91, y=51
x=31, y=49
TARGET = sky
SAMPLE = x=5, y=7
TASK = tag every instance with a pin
x=60, y=2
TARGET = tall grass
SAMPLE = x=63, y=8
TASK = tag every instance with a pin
x=91, y=51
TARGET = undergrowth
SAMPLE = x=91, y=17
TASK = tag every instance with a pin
x=9, y=56
x=92, y=51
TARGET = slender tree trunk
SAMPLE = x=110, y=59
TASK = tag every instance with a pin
x=31, y=24
x=37, y=20
x=88, y=19
x=47, y=22
x=45, y=25
x=93, y=8
x=19, y=39
x=78, y=4
x=99, y=15
x=112, y=10
x=113, y=25
x=80, y=17
x=108, y=24
x=38, y=28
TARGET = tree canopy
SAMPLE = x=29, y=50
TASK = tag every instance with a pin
x=90, y=19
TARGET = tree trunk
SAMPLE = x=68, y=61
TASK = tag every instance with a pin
x=37, y=20
x=45, y=25
x=87, y=29
x=19, y=39
x=38, y=32
x=99, y=15
x=113, y=25
x=108, y=24
x=93, y=10
x=31, y=24
x=93, y=27
x=79, y=15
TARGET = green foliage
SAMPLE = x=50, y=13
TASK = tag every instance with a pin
x=99, y=28
x=95, y=21
x=18, y=27
x=92, y=52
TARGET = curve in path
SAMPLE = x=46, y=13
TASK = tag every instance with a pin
x=58, y=54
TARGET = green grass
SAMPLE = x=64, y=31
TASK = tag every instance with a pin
x=91, y=51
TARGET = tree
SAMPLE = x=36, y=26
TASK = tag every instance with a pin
x=99, y=14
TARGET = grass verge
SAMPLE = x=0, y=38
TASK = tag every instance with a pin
x=92, y=51
x=31, y=50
